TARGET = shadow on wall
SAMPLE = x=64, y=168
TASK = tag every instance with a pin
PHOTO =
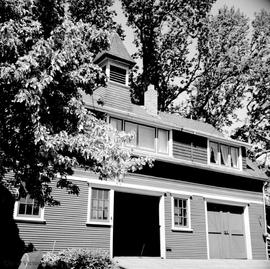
x=11, y=246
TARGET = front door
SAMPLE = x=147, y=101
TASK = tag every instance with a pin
x=226, y=232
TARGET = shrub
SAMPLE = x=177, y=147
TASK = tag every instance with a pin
x=78, y=259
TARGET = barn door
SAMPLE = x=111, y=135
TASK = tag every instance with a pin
x=226, y=232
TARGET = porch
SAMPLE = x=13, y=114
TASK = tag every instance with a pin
x=157, y=263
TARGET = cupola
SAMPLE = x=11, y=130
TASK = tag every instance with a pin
x=115, y=62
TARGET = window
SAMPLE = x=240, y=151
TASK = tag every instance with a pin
x=224, y=155
x=234, y=157
x=28, y=209
x=100, y=201
x=118, y=74
x=116, y=123
x=145, y=137
x=213, y=152
x=180, y=213
x=163, y=136
x=132, y=128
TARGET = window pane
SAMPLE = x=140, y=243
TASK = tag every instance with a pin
x=163, y=141
x=36, y=210
x=116, y=123
x=22, y=200
x=234, y=157
x=146, y=137
x=94, y=214
x=224, y=155
x=29, y=209
x=131, y=128
x=21, y=209
x=94, y=193
x=213, y=152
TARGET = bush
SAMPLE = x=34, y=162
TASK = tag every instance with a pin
x=77, y=259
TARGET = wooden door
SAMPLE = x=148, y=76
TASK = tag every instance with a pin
x=226, y=232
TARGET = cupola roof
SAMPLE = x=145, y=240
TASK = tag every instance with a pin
x=117, y=51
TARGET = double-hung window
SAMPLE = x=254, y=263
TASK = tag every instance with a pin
x=224, y=155
x=99, y=206
x=181, y=213
x=28, y=209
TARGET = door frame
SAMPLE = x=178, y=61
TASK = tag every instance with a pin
x=161, y=209
x=245, y=222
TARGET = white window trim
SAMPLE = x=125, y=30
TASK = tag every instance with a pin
x=177, y=228
x=229, y=167
x=111, y=199
x=30, y=218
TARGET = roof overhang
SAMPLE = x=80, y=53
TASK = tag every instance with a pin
x=156, y=121
x=106, y=54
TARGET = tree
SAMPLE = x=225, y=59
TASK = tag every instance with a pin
x=220, y=89
x=97, y=13
x=46, y=62
x=257, y=127
x=164, y=33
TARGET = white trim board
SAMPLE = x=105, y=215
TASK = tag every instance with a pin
x=158, y=191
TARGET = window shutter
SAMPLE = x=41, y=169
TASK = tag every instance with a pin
x=117, y=74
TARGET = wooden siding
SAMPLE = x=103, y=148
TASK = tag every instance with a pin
x=117, y=96
x=66, y=225
x=257, y=229
x=182, y=244
x=189, y=147
x=244, y=158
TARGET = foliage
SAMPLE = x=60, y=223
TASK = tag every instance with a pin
x=225, y=60
x=257, y=127
x=45, y=129
x=11, y=247
x=164, y=32
x=78, y=258
x=96, y=12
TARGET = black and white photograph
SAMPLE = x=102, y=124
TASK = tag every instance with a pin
x=135, y=134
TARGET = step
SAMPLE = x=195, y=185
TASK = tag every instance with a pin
x=158, y=263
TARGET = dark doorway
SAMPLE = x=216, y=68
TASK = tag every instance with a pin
x=136, y=225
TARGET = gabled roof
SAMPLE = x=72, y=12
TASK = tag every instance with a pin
x=117, y=51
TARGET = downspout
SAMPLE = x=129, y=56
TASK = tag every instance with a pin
x=265, y=224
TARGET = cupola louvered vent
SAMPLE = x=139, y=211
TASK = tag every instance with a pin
x=118, y=74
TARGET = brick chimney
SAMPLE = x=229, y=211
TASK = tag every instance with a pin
x=151, y=100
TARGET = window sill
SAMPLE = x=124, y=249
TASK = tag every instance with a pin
x=226, y=167
x=176, y=229
x=98, y=223
x=30, y=220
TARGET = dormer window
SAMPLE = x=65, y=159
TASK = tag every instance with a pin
x=118, y=74
x=226, y=155
x=146, y=137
